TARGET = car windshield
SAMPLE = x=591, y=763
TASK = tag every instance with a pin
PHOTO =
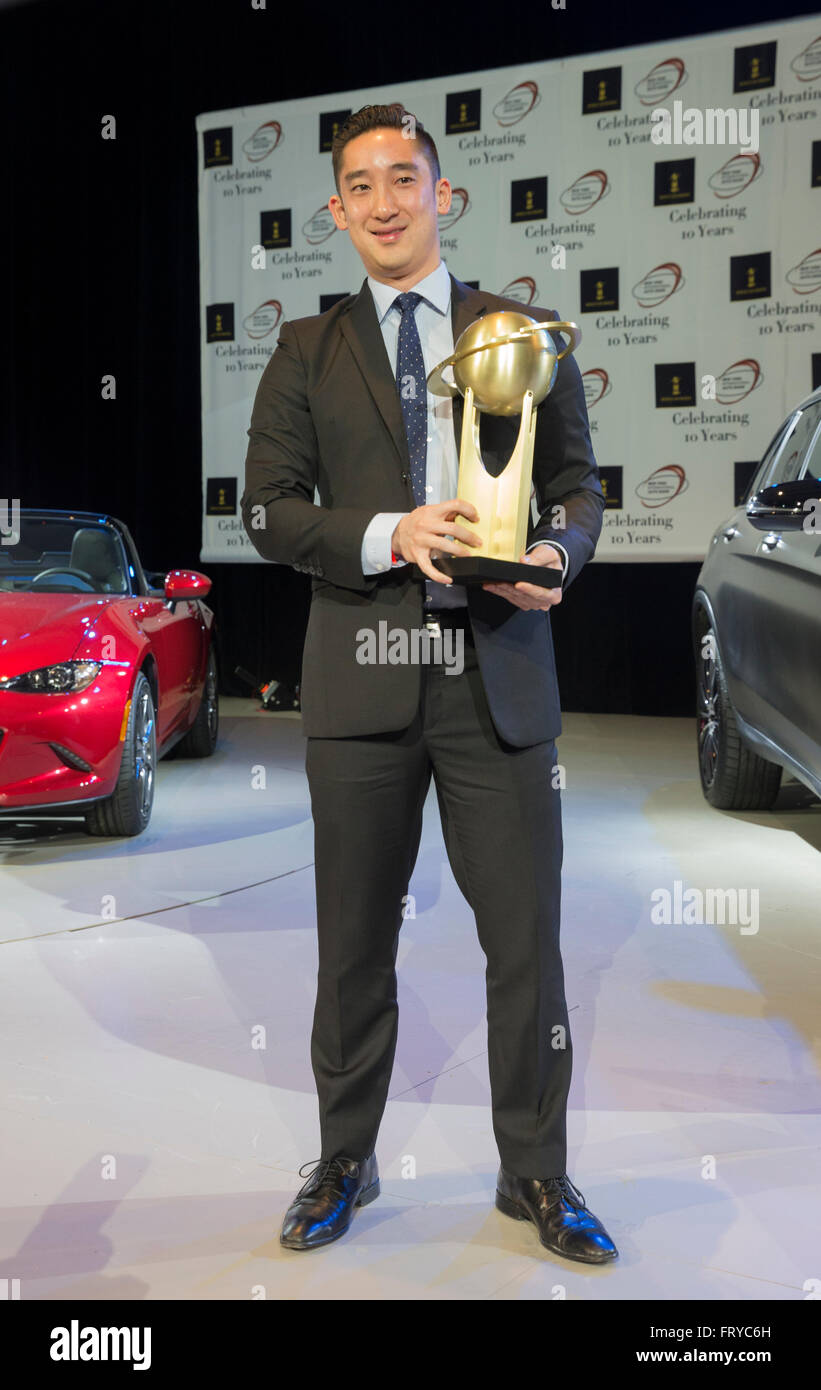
x=62, y=555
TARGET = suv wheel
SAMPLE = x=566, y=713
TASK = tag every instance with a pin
x=733, y=777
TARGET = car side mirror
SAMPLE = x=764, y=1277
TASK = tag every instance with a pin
x=785, y=506
x=185, y=584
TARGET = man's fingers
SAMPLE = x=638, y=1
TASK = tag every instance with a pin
x=534, y=590
x=452, y=533
x=461, y=533
x=528, y=596
x=422, y=558
x=432, y=540
x=457, y=506
x=430, y=570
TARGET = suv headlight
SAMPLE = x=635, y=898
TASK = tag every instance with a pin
x=68, y=676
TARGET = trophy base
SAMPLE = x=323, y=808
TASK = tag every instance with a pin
x=474, y=570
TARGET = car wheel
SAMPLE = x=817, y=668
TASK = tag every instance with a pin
x=128, y=810
x=733, y=777
x=201, y=739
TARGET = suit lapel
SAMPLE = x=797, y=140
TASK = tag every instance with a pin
x=360, y=327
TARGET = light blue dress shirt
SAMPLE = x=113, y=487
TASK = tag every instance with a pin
x=442, y=465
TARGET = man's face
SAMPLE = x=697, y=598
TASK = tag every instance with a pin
x=389, y=205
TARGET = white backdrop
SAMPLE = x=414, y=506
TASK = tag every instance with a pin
x=680, y=262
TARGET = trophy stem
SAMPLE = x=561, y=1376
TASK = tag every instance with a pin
x=503, y=502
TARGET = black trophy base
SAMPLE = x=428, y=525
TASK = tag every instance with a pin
x=474, y=570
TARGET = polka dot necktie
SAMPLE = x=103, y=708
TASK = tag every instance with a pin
x=413, y=392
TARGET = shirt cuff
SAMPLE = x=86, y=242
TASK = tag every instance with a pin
x=556, y=546
x=376, y=543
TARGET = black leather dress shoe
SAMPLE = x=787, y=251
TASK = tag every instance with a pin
x=557, y=1208
x=323, y=1208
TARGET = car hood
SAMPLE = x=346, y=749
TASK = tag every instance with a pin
x=42, y=629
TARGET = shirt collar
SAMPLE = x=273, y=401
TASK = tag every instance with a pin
x=435, y=290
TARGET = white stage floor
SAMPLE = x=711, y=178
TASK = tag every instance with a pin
x=149, y=1149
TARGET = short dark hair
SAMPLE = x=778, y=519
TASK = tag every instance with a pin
x=393, y=117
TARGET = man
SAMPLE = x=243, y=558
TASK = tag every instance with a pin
x=338, y=410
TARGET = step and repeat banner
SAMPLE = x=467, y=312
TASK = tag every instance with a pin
x=666, y=198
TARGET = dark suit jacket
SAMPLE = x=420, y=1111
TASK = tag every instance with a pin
x=327, y=414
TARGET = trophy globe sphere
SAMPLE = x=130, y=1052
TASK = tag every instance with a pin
x=500, y=376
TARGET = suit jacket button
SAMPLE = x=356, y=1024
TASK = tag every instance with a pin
x=406, y=477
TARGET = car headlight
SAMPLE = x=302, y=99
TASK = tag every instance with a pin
x=55, y=680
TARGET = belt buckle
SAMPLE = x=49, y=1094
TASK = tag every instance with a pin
x=432, y=625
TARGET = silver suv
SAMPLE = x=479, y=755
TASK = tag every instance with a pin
x=757, y=628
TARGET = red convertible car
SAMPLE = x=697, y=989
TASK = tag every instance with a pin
x=100, y=673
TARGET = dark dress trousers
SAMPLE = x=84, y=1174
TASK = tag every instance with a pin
x=327, y=415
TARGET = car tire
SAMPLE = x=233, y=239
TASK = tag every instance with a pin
x=733, y=777
x=128, y=810
x=201, y=739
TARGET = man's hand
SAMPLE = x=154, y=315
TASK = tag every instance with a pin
x=531, y=595
x=428, y=530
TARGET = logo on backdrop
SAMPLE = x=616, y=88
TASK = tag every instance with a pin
x=662, y=486
x=805, y=277
x=264, y=319
x=463, y=111
x=459, y=205
x=217, y=147
x=219, y=323
x=587, y=190
x=528, y=199
x=612, y=486
x=599, y=290
x=807, y=64
x=674, y=181
x=523, y=290
x=330, y=123
x=319, y=227
x=518, y=103
x=754, y=67
x=750, y=277
x=221, y=497
x=275, y=229
x=661, y=81
x=601, y=91
x=675, y=384
x=263, y=142
x=738, y=381
x=736, y=175
x=659, y=284
x=596, y=385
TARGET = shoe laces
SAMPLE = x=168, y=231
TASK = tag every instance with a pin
x=328, y=1168
x=571, y=1194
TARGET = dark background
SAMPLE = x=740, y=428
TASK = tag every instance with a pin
x=100, y=276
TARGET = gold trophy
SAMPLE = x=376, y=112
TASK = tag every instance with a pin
x=505, y=364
